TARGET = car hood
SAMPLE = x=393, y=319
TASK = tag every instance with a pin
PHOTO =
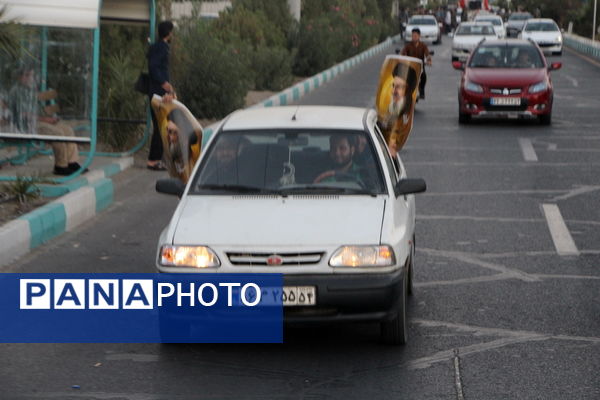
x=505, y=76
x=469, y=41
x=276, y=221
x=541, y=36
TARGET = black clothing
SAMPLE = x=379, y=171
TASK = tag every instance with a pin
x=158, y=69
x=158, y=66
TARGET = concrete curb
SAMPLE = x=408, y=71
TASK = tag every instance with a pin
x=105, y=171
x=85, y=198
x=308, y=85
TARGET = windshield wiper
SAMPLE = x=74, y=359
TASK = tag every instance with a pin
x=236, y=188
x=325, y=190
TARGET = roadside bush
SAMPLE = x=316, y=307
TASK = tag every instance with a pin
x=259, y=42
x=122, y=58
x=272, y=68
x=211, y=78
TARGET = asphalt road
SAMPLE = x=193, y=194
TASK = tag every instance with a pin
x=497, y=313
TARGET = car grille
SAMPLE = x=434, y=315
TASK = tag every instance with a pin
x=547, y=44
x=285, y=259
x=510, y=91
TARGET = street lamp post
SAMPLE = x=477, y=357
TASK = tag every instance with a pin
x=594, y=27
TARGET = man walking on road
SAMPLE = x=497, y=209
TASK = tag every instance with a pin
x=158, y=68
x=418, y=49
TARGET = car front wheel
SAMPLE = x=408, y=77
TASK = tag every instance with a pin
x=546, y=119
x=395, y=330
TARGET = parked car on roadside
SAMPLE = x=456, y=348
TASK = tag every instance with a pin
x=265, y=198
x=495, y=20
x=545, y=33
x=468, y=35
x=429, y=27
x=506, y=78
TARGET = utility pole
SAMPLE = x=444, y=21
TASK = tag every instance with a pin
x=594, y=27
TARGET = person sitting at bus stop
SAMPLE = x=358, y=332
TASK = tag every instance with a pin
x=26, y=118
x=341, y=154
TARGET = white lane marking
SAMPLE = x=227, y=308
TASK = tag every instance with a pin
x=457, y=379
x=527, y=149
x=572, y=80
x=565, y=246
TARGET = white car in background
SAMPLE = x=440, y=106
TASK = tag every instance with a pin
x=429, y=27
x=467, y=36
x=545, y=33
x=495, y=20
x=264, y=198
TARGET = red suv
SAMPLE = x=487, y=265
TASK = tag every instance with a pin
x=506, y=78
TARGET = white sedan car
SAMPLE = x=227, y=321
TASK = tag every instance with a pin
x=495, y=20
x=545, y=33
x=467, y=37
x=312, y=193
x=429, y=27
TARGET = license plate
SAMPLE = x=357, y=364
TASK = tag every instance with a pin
x=288, y=296
x=505, y=101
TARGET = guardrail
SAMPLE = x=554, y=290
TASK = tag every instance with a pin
x=306, y=86
x=582, y=45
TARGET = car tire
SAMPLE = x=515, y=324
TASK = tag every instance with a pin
x=395, y=330
x=464, y=118
x=411, y=268
x=546, y=119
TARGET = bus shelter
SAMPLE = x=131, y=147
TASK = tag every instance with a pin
x=57, y=70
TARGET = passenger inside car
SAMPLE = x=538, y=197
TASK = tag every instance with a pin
x=341, y=153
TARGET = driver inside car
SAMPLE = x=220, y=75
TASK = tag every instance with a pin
x=342, y=149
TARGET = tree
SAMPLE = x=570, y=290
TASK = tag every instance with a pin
x=9, y=36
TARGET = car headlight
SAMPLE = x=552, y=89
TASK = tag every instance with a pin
x=188, y=256
x=473, y=87
x=363, y=256
x=538, y=87
x=559, y=39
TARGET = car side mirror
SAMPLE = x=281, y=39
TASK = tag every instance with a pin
x=459, y=65
x=410, y=186
x=554, y=66
x=170, y=186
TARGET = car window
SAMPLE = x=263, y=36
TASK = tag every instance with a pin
x=475, y=30
x=541, y=27
x=494, y=21
x=421, y=21
x=290, y=162
x=393, y=168
x=506, y=56
x=519, y=17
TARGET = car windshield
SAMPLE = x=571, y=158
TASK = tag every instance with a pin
x=494, y=21
x=541, y=27
x=519, y=17
x=475, y=30
x=284, y=162
x=506, y=56
x=421, y=21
